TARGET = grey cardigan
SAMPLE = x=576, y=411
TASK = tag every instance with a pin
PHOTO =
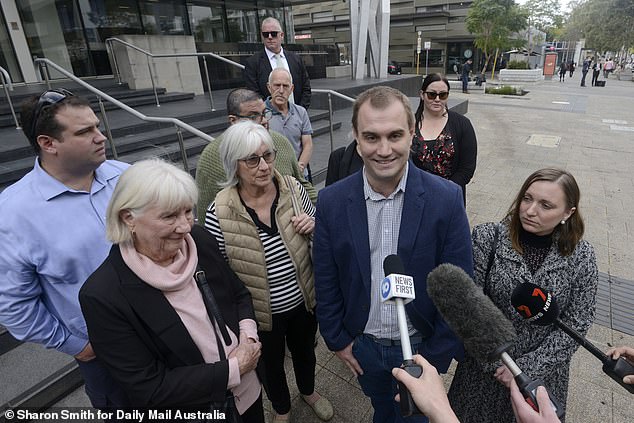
x=541, y=352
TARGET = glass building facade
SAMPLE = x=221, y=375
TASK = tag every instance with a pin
x=72, y=33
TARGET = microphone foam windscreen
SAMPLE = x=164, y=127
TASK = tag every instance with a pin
x=393, y=264
x=468, y=312
x=535, y=304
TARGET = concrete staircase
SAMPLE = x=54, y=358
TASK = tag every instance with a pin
x=134, y=139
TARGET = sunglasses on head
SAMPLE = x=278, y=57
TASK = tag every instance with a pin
x=433, y=94
x=272, y=34
x=48, y=98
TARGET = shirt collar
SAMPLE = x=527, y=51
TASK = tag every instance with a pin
x=269, y=105
x=370, y=194
x=271, y=55
x=50, y=187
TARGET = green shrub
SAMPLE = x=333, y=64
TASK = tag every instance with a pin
x=517, y=64
x=504, y=90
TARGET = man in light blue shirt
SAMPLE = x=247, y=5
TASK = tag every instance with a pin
x=290, y=120
x=52, y=233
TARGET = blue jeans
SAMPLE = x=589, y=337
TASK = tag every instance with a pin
x=465, y=83
x=377, y=362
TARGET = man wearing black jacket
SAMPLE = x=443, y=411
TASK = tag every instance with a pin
x=259, y=66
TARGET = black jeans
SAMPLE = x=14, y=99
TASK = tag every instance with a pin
x=104, y=392
x=295, y=328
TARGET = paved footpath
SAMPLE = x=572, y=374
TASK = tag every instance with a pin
x=588, y=131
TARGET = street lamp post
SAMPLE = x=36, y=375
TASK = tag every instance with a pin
x=418, y=48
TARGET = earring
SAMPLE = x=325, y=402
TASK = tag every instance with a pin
x=563, y=221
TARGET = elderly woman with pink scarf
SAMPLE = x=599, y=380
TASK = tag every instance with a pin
x=150, y=319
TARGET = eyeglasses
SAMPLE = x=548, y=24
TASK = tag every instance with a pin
x=267, y=114
x=48, y=98
x=254, y=161
x=432, y=95
x=267, y=34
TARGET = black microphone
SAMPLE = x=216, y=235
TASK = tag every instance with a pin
x=539, y=307
x=398, y=288
x=486, y=333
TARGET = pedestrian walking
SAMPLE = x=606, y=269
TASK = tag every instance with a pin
x=563, y=67
x=596, y=69
x=584, y=71
x=466, y=69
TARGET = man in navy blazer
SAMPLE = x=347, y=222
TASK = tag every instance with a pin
x=259, y=66
x=389, y=207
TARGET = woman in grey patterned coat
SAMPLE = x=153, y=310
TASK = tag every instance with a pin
x=540, y=242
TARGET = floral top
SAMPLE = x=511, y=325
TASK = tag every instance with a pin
x=434, y=156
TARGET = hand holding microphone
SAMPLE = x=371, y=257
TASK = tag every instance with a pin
x=540, y=307
x=626, y=353
x=524, y=413
x=398, y=288
x=428, y=391
x=486, y=333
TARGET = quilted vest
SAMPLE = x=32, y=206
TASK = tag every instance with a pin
x=246, y=254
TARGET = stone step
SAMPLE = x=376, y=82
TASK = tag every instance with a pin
x=147, y=139
x=32, y=376
x=7, y=341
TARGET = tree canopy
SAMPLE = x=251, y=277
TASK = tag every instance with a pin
x=605, y=24
x=545, y=15
x=493, y=22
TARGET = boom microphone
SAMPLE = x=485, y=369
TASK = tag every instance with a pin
x=539, y=307
x=398, y=288
x=486, y=333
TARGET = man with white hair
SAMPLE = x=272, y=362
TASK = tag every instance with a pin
x=259, y=66
x=290, y=120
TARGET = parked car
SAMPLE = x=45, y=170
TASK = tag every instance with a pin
x=393, y=68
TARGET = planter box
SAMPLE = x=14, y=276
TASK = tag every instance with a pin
x=521, y=75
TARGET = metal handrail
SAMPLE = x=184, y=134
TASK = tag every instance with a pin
x=177, y=123
x=149, y=55
x=6, y=79
x=330, y=94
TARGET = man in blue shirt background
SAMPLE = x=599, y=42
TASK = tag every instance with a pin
x=52, y=233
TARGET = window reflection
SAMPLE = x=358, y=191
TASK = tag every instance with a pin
x=207, y=23
x=164, y=18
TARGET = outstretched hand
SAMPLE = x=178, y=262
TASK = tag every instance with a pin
x=428, y=391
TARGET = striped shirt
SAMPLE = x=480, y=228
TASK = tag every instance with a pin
x=384, y=222
x=283, y=287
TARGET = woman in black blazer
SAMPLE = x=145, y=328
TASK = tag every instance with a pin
x=146, y=317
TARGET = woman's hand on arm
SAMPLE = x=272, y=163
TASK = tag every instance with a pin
x=303, y=224
x=247, y=354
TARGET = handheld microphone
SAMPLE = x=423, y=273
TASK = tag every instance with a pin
x=486, y=333
x=540, y=307
x=398, y=288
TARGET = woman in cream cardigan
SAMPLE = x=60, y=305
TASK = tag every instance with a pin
x=262, y=223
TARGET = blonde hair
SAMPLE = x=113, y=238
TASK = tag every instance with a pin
x=150, y=182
